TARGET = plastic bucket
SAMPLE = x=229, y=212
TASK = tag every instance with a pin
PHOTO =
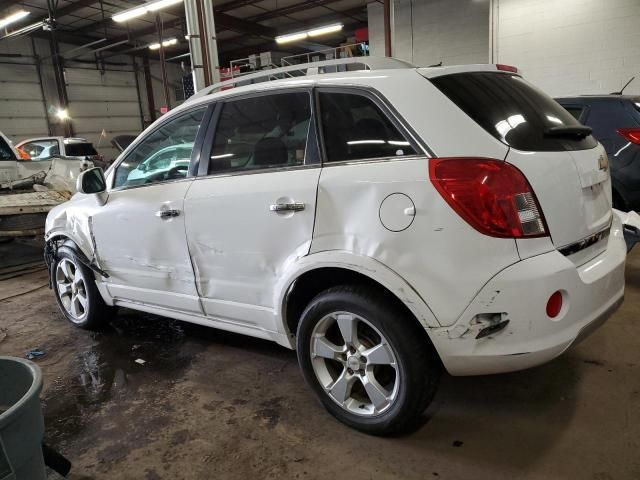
x=21, y=422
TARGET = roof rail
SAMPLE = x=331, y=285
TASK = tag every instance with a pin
x=312, y=68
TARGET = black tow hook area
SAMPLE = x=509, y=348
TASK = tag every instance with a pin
x=491, y=329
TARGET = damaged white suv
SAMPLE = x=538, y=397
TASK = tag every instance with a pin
x=383, y=223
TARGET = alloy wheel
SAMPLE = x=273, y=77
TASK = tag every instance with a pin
x=355, y=364
x=72, y=290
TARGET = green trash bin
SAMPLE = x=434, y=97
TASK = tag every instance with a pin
x=21, y=422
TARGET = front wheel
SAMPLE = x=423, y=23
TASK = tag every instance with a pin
x=76, y=291
x=366, y=360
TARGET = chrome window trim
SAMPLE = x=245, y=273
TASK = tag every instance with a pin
x=236, y=173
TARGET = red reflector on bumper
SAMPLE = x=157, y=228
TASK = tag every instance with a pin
x=554, y=305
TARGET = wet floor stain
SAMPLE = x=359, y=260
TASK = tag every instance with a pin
x=135, y=351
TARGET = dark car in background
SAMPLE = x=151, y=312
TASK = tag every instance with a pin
x=615, y=121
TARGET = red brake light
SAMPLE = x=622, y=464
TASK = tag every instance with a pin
x=631, y=134
x=492, y=196
x=506, y=68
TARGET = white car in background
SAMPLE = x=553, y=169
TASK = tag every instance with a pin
x=44, y=148
x=28, y=190
x=382, y=223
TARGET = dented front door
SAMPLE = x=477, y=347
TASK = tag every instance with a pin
x=243, y=232
x=141, y=244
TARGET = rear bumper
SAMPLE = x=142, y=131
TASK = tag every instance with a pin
x=591, y=293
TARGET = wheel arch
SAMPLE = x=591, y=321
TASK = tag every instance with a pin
x=318, y=272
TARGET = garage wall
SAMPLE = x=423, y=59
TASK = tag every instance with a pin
x=99, y=100
x=427, y=32
x=566, y=47
x=571, y=46
x=22, y=110
x=103, y=102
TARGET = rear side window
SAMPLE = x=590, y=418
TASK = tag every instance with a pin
x=80, y=149
x=5, y=151
x=513, y=111
x=355, y=128
x=267, y=131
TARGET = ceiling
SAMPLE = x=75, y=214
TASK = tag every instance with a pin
x=243, y=26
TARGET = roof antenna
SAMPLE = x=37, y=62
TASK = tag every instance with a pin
x=625, y=86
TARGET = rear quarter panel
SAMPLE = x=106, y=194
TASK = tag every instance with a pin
x=444, y=259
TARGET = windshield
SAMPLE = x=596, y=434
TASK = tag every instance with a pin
x=514, y=111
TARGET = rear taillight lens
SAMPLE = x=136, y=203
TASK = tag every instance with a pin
x=492, y=196
x=630, y=134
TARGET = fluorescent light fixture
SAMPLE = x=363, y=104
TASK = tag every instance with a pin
x=166, y=43
x=142, y=9
x=62, y=114
x=324, y=30
x=314, y=32
x=14, y=17
x=153, y=6
x=291, y=37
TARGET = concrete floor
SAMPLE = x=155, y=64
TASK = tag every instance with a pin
x=208, y=404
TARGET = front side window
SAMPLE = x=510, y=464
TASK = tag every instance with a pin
x=164, y=155
x=42, y=149
x=355, y=128
x=267, y=131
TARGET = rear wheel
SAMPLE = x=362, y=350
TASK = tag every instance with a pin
x=366, y=361
x=76, y=291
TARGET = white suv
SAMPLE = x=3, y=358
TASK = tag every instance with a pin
x=383, y=223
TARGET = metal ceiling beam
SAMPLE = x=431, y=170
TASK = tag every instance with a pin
x=73, y=7
x=233, y=4
x=9, y=3
x=295, y=8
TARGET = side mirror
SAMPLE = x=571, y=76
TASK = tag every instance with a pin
x=91, y=181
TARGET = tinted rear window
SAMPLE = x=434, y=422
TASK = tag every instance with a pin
x=6, y=153
x=512, y=110
x=80, y=149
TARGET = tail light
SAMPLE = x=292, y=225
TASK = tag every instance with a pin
x=492, y=196
x=630, y=134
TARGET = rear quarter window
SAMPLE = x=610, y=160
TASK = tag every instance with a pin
x=512, y=110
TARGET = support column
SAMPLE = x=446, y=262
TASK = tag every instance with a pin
x=163, y=65
x=195, y=47
x=61, y=86
x=148, y=82
x=387, y=28
x=212, y=44
x=202, y=42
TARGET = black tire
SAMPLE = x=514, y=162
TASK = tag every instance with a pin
x=96, y=313
x=418, y=366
